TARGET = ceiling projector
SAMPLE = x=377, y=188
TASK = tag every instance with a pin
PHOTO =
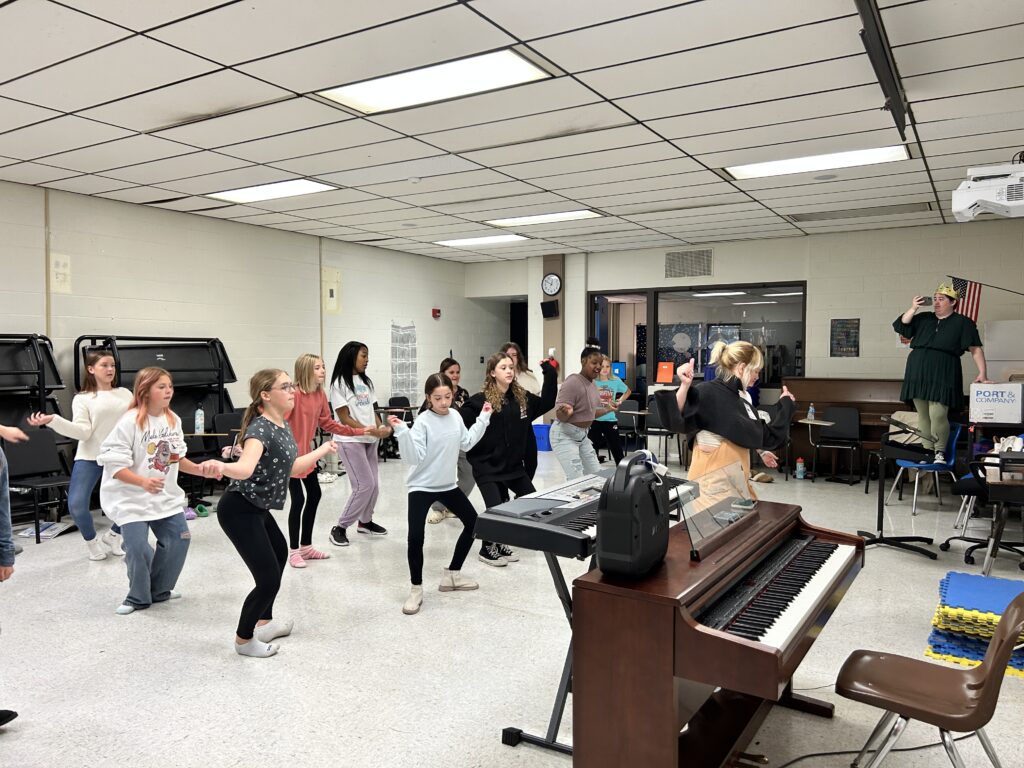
x=997, y=189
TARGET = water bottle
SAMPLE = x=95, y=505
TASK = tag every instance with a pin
x=810, y=412
x=801, y=469
x=200, y=426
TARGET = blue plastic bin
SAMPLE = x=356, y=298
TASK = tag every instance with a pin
x=543, y=438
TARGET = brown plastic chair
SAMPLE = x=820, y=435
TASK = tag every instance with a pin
x=953, y=700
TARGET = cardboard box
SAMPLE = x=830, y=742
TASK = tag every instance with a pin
x=996, y=403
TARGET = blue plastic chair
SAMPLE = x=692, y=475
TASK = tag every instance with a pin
x=946, y=468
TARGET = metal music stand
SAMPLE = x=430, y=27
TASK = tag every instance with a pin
x=890, y=450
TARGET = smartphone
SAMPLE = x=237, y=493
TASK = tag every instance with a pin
x=551, y=352
x=927, y=301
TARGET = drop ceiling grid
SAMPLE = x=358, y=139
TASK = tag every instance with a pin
x=573, y=141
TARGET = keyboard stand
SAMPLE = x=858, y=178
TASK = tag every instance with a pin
x=897, y=542
x=512, y=736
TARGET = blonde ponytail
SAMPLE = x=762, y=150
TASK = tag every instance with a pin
x=727, y=356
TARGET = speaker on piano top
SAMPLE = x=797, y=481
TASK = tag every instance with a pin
x=632, y=520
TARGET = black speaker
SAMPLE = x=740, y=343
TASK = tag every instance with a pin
x=632, y=520
x=549, y=308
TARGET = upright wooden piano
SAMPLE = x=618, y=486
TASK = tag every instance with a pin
x=681, y=668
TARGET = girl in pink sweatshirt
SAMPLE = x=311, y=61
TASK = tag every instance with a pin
x=311, y=411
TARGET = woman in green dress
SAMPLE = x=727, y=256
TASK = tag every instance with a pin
x=934, y=380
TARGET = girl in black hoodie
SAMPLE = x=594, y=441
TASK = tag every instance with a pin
x=498, y=459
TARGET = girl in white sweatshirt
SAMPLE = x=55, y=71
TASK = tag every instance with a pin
x=94, y=413
x=140, y=491
x=432, y=447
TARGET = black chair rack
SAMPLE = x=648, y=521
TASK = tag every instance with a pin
x=28, y=366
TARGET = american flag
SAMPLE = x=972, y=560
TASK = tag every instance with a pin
x=970, y=297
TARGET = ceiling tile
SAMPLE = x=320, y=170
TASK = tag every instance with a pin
x=142, y=16
x=687, y=26
x=87, y=185
x=606, y=200
x=68, y=33
x=790, y=109
x=268, y=218
x=560, y=123
x=256, y=123
x=225, y=180
x=32, y=173
x=431, y=166
x=138, y=194
x=563, y=146
x=609, y=158
x=915, y=22
x=14, y=114
x=180, y=167
x=632, y=173
x=960, y=51
x=497, y=205
x=676, y=202
x=528, y=19
x=865, y=187
x=256, y=28
x=326, y=163
x=332, y=197
x=134, y=149
x=837, y=174
x=58, y=135
x=446, y=34
x=331, y=212
x=119, y=70
x=969, y=126
x=212, y=94
x=190, y=204
x=424, y=185
x=886, y=137
x=324, y=138
x=1009, y=139
x=984, y=77
x=466, y=194
x=1010, y=100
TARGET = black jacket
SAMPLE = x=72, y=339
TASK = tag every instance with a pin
x=500, y=452
x=718, y=407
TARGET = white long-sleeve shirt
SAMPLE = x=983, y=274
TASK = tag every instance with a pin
x=432, y=447
x=93, y=417
x=152, y=450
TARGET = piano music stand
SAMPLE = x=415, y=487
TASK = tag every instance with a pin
x=512, y=736
x=890, y=450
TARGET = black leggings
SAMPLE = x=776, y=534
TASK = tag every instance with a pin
x=496, y=492
x=419, y=504
x=261, y=544
x=606, y=434
x=295, y=517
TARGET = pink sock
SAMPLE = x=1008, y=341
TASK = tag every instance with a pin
x=309, y=553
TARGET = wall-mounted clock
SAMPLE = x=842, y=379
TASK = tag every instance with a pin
x=551, y=284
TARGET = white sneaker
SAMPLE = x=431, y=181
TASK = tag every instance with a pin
x=96, y=549
x=452, y=581
x=435, y=516
x=940, y=457
x=113, y=540
x=325, y=478
x=413, y=601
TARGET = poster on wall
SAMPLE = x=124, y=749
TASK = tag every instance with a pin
x=844, y=341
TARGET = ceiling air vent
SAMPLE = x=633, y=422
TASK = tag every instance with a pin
x=854, y=213
x=688, y=263
x=1014, y=192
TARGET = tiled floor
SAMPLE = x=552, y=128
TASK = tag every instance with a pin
x=360, y=684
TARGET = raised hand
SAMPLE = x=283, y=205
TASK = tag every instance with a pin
x=787, y=393
x=39, y=419
x=12, y=434
x=153, y=484
x=685, y=373
x=486, y=407
x=917, y=303
x=394, y=421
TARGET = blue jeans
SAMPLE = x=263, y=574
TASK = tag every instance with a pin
x=152, y=575
x=84, y=476
x=573, y=450
x=6, y=533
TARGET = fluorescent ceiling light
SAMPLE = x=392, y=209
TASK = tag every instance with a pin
x=544, y=218
x=820, y=162
x=721, y=293
x=471, y=241
x=271, y=191
x=794, y=293
x=452, y=79
x=748, y=303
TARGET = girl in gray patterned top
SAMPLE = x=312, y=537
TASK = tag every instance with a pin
x=259, y=483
